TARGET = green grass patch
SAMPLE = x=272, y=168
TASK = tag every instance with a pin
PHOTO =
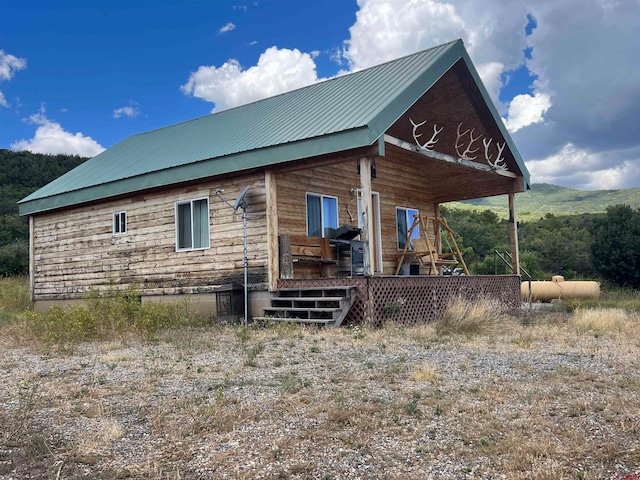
x=104, y=316
x=14, y=297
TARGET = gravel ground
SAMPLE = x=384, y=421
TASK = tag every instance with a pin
x=290, y=402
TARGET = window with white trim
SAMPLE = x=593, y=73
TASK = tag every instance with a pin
x=404, y=220
x=192, y=224
x=119, y=223
x=322, y=214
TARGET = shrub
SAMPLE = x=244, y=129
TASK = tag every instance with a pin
x=106, y=315
x=470, y=317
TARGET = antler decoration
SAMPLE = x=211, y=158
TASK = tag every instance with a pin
x=498, y=164
x=428, y=146
x=466, y=155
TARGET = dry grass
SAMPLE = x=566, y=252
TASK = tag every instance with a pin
x=482, y=395
x=603, y=320
x=483, y=316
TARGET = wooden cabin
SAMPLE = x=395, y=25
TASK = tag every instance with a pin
x=367, y=150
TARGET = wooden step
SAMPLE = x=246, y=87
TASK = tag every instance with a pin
x=320, y=305
x=327, y=302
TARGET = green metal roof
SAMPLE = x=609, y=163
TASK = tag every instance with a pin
x=345, y=112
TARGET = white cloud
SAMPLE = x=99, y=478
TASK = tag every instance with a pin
x=277, y=71
x=493, y=33
x=389, y=29
x=227, y=28
x=51, y=138
x=9, y=65
x=526, y=109
x=130, y=111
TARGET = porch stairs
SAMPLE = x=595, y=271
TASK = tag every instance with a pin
x=316, y=305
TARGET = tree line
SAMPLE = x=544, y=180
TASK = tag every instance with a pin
x=588, y=246
x=22, y=173
x=603, y=246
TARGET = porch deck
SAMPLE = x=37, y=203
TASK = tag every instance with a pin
x=413, y=300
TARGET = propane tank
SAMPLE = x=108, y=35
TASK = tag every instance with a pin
x=557, y=288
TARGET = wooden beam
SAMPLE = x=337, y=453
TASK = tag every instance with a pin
x=443, y=157
x=273, y=261
x=513, y=234
x=367, y=212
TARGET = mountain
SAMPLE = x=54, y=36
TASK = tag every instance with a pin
x=544, y=198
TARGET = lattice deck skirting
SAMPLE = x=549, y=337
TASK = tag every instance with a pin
x=412, y=300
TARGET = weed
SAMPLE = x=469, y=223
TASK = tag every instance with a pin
x=394, y=307
x=252, y=353
x=411, y=407
x=244, y=334
x=292, y=383
x=423, y=373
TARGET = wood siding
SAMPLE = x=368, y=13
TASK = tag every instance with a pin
x=75, y=250
x=401, y=182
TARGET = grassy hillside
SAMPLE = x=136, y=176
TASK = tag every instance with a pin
x=544, y=198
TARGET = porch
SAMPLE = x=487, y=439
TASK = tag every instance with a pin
x=412, y=300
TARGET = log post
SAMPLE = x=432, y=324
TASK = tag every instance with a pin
x=273, y=262
x=367, y=212
x=513, y=234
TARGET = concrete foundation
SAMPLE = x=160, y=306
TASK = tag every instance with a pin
x=203, y=303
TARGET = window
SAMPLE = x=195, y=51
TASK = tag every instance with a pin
x=192, y=224
x=322, y=213
x=404, y=220
x=119, y=223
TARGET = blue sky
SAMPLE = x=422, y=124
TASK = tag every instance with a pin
x=77, y=77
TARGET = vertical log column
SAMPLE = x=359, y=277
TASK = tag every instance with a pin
x=32, y=259
x=273, y=260
x=513, y=234
x=367, y=212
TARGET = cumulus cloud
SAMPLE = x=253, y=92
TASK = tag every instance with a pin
x=51, y=138
x=389, y=29
x=525, y=110
x=227, y=28
x=277, y=71
x=9, y=65
x=130, y=111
